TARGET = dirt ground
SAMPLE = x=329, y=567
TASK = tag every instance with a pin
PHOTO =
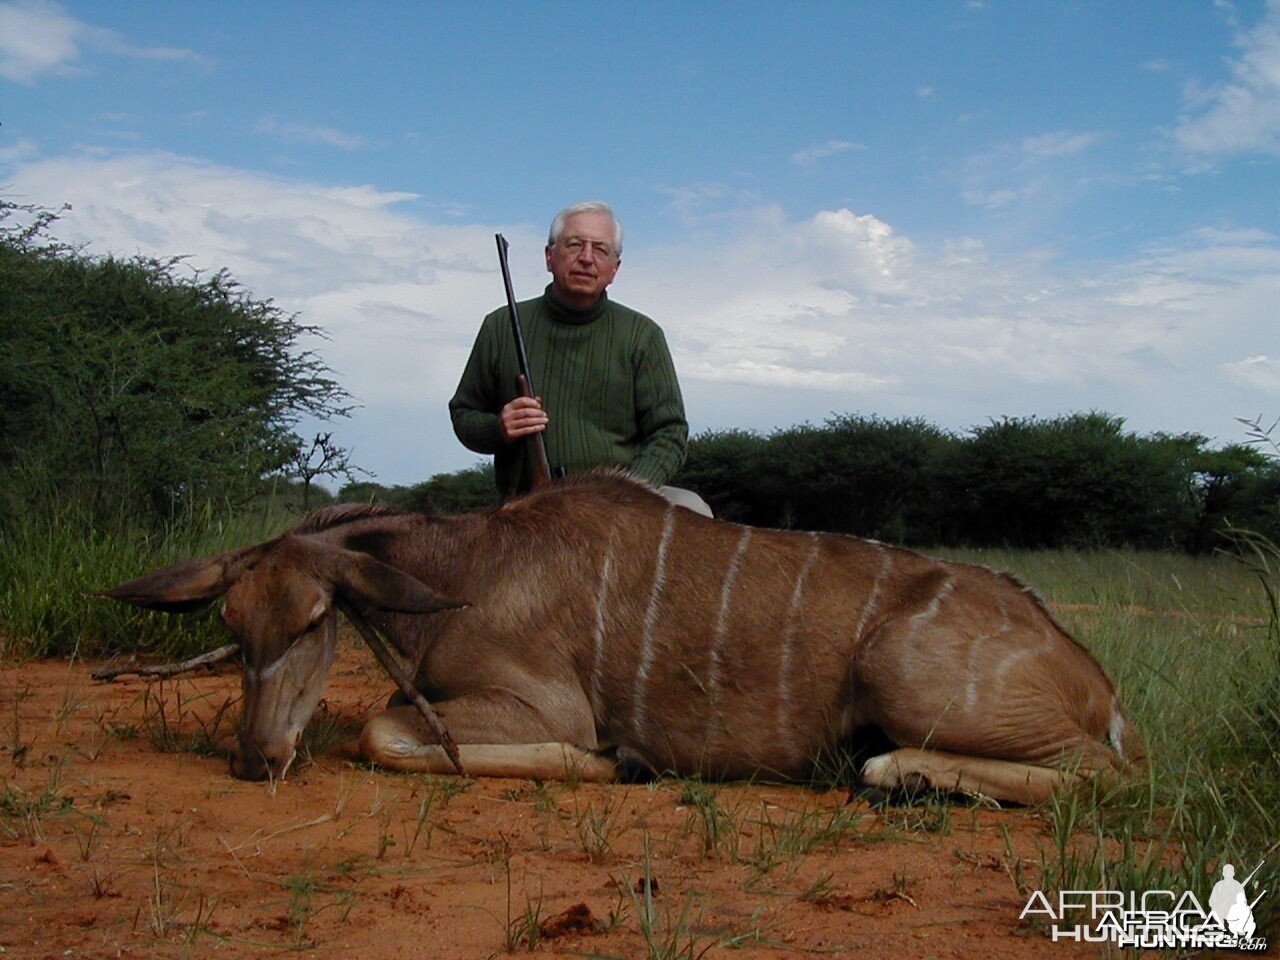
x=121, y=837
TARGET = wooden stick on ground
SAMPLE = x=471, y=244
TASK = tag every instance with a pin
x=164, y=670
x=396, y=672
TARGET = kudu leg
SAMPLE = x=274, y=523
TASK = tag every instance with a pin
x=497, y=736
x=541, y=761
x=1004, y=780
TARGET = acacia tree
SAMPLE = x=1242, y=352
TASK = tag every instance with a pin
x=321, y=457
x=140, y=387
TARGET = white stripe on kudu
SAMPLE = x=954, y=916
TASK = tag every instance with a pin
x=919, y=623
x=931, y=611
x=788, y=641
x=873, y=595
x=602, y=601
x=977, y=651
x=714, y=669
x=651, y=619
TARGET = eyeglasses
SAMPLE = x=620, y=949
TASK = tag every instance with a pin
x=575, y=245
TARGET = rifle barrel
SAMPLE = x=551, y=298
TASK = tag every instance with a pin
x=539, y=467
x=521, y=356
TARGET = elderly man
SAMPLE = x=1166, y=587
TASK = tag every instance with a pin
x=608, y=390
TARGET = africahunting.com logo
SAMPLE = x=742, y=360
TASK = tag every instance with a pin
x=1160, y=919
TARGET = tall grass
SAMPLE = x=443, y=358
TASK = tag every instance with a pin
x=52, y=561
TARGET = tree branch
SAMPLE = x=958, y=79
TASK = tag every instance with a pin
x=163, y=670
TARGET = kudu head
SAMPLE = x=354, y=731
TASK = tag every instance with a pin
x=280, y=605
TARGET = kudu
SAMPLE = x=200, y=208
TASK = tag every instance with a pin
x=593, y=621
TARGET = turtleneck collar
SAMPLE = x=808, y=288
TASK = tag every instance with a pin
x=563, y=313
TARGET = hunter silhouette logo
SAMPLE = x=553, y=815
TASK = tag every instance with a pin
x=1160, y=919
x=1229, y=903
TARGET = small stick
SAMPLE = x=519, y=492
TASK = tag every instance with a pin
x=163, y=670
x=396, y=672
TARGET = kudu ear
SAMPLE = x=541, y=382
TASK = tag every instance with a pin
x=359, y=576
x=186, y=587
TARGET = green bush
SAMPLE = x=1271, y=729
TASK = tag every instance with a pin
x=138, y=388
x=1070, y=481
x=457, y=492
x=1074, y=481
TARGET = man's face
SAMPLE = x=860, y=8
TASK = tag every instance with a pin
x=583, y=261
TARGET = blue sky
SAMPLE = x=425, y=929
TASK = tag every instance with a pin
x=950, y=210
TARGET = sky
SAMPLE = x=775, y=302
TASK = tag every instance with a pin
x=938, y=209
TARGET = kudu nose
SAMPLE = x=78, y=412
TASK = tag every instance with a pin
x=253, y=763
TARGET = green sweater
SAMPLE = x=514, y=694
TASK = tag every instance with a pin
x=606, y=380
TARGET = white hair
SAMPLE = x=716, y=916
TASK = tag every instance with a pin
x=589, y=206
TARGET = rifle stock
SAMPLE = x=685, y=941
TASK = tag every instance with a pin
x=539, y=468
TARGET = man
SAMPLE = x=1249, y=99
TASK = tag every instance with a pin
x=608, y=389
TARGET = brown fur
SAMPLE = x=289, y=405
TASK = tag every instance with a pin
x=599, y=616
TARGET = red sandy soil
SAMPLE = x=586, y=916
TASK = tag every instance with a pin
x=118, y=838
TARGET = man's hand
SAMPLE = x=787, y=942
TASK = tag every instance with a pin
x=521, y=417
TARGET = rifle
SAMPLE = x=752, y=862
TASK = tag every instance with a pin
x=539, y=469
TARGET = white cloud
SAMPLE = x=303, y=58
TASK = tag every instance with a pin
x=774, y=322
x=821, y=151
x=1034, y=169
x=860, y=249
x=704, y=201
x=1242, y=114
x=36, y=37
x=1002, y=198
x=305, y=134
x=21, y=150
x=39, y=37
x=1062, y=143
x=1259, y=372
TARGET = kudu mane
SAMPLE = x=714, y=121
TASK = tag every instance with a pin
x=337, y=514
